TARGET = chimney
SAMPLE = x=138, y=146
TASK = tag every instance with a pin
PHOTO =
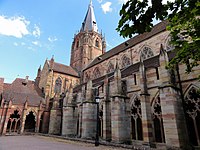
x=1, y=85
x=25, y=81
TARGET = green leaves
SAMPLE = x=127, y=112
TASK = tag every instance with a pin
x=184, y=25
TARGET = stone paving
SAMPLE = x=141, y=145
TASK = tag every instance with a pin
x=36, y=142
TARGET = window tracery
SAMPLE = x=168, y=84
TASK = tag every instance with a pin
x=158, y=120
x=169, y=46
x=58, y=85
x=110, y=67
x=97, y=42
x=125, y=61
x=87, y=77
x=136, y=120
x=97, y=73
x=192, y=110
x=146, y=53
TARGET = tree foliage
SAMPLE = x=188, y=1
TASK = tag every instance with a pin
x=184, y=25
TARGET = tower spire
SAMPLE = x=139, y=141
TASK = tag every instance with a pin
x=89, y=23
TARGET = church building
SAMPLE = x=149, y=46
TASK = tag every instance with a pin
x=125, y=95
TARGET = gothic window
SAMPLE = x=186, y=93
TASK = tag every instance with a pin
x=97, y=73
x=110, y=67
x=146, y=53
x=87, y=77
x=192, y=110
x=77, y=44
x=125, y=61
x=169, y=46
x=58, y=85
x=14, y=122
x=158, y=121
x=136, y=120
x=97, y=43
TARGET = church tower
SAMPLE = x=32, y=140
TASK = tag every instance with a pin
x=88, y=43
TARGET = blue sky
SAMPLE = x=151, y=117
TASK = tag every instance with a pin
x=33, y=30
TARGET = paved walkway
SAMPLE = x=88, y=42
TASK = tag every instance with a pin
x=36, y=142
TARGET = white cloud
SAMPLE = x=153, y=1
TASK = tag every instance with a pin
x=122, y=1
x=22, y=43
x=14, y=26
x=100, y=1
x=15, y=43
x=36, y=31
x=106, y=7
x=35, y=42
x=52, y=39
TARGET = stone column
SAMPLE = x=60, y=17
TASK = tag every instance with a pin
x=23, y=117
x=120, y=120
x=45, y=122
x=6, y=116
x=69, y=127
x=55, y=117
x=172, y=109
x=55, y=121
x=106, y=112
x=89, y=114
x=145, y=107
x=89, y=120
x=120, y=113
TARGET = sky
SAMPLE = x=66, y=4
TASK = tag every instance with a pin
x=32, y=31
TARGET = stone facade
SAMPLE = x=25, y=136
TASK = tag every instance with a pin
x=140, y=101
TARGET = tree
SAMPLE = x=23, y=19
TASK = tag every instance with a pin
x=184, y=25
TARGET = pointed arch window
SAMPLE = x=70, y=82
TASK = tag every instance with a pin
x=87, y=77
x=136, y=120
x=97, y=73
x=97, y=42
x=58, y=85
x=158, y=121
x=14, y=122
x=77, y=43
x=146, y=53
x=169, y=46
x=192, y=110
x=110, y=67
x=126, y=61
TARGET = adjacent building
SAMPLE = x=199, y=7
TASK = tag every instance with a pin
x=141, y=102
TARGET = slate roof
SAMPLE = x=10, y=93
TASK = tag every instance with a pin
x=131, y=42
x=18, y=92
x=89, y=23
x=61, y=68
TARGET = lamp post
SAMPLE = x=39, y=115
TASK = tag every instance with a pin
x=97, y=125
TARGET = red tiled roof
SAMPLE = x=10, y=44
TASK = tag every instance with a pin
x=19, y=92
x=131, y=42
x=57, y=67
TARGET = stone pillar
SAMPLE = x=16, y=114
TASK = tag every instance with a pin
x=89, y=114
x=106, y=112
x=120, y=113
x=80, y=120
x=45, y=122
x=69, y=127
x=120, y=120
x=23, y=117
x=145, y=107
x=172, y=108
x=7, y=116
x=55, y=121
x=89, y=120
